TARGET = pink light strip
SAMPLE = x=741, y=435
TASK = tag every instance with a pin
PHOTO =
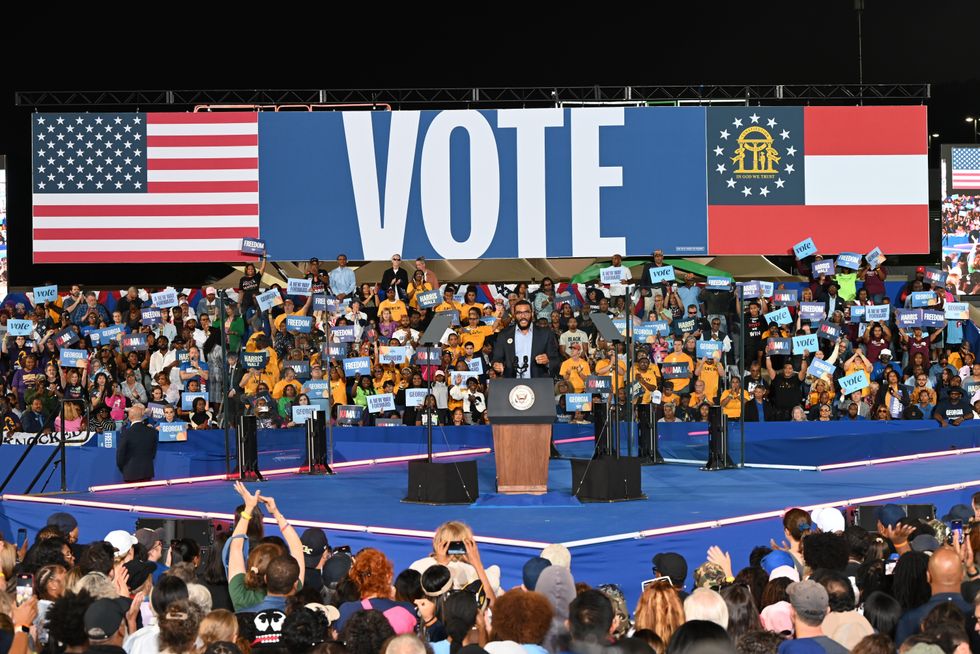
x=574, y=440
x=289, y=471
x=160, y=510
x=660, y=531
x=897, y=459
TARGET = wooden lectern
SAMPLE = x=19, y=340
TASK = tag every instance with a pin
x=522, y=412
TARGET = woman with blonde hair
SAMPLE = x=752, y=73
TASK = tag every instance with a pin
x=217, y=626
x=660, y=610
x=453, y=546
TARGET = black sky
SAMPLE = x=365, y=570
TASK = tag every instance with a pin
x=490, y=44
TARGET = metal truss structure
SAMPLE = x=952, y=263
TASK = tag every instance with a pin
x=484, y=97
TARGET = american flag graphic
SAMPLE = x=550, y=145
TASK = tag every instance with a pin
x=966, y=168
x=144, y=187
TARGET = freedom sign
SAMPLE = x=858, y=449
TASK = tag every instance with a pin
x=357, y=366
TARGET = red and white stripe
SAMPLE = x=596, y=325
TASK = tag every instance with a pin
x=202, y=199
x=866, y=186
x=965, y=178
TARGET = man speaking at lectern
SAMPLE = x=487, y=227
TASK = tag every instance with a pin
x=524, y=350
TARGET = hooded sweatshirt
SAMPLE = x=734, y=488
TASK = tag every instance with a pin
x=556, y=583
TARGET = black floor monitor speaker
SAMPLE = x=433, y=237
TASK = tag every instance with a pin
x=866, y=516
x=607, y=479
x=200, y=531
x=442, y=483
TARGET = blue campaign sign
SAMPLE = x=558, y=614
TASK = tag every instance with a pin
x=933, y=317
x=660, y=327
x=613, y=274
x=489, y=176
x=875, y=258
x=662, y=274
x=857, y=313
x=303, y=412
x=877, y=313
x=854, y=382
x=620, y=325
x=334, y=350
x=415, y=396
x=428, y=299
x=488, y=320
x=357, y=366
x=804, y=248
x=134, y=343
x=820, y=368
x=300, y=324
x=317, y=388
x=812, y=311
x=183, y=356
x=390, y=354
x=253, y=246
x=687, y=325
x=828, y=331
x=954, y=311
x=257, y=360
x=675, y=370
x=751, y=290
x=298, y=286
x=718, y=284
x=155, y=410
x=475, y=365
x=171, y=432
x=778, y=346
x=805, y=343
x=18, y=327
x=707, y=349
x=187, y=399
x=921, y=299
x=785, y=298
x=300, y=367
x=935, y=276
x=578, y=401
x=319, y=302
x=644, y=332
x=343, y=334
x=460, y=377
x=44, y=294
x=598, y=383
x=823, y=267
x=269, y=299
x=567, y=298
x=164, y=299
x=767, y=288
x=73, y=358
x=428, y=356
x=908, y=318
x=107, y=439
x=779, y=316
x=381, y=402
x=850, y=260
x=66, y=337
x=151, y=316
x=108, y=335
x=349, y=414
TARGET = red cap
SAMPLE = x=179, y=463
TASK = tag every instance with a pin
x=920, y=269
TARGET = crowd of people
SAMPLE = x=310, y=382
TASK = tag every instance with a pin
x=961, y=234
x=207, y=360
x=820, y=586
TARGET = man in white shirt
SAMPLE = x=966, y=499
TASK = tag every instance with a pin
x=626, y=276
x=573, y=335
x=164, y=359
x=405, y=333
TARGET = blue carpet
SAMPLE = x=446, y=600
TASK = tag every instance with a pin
x=550, y=500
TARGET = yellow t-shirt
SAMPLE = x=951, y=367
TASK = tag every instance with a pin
x=338, y=389
x=680, y=357
x=475, y=335
x=734, y=408
x=576, y=372
x=397, y=307
x=650, y=377
x=450, y=306
x=413, y=291
x=607, y=371
x=709, y=375
x=280, y=387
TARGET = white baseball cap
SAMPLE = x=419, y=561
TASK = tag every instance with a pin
x=828, y=519
x=121, y=541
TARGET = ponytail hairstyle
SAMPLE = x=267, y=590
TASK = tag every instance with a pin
x=797, y=523
x=459, y=613
x=259, y=559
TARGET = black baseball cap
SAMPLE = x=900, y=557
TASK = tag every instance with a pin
x=671, y=564
x=103, y=617
x=315, y=543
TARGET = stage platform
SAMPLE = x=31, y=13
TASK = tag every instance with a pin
x=808, y=445
x=686, y=510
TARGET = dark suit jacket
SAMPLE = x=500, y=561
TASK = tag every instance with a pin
x=838, y=305
x=542, y=342
x=752, y=411
x=135, y=452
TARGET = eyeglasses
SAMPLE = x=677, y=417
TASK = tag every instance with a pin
x=396, y=259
